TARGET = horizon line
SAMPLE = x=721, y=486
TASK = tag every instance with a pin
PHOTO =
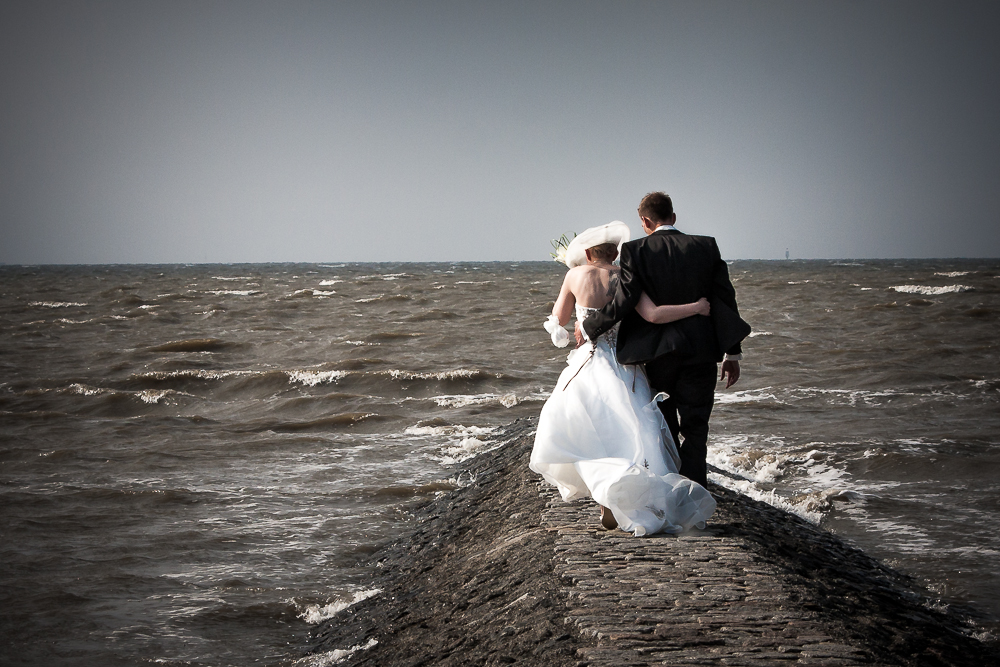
x=489, y=261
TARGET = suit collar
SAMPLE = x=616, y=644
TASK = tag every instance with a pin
x=667, y=229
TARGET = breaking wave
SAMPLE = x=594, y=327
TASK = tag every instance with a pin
x=924, y=289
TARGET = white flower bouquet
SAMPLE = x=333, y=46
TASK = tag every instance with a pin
x=560, y=245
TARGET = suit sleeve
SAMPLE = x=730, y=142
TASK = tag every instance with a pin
x=722, y=287
x=626, y=297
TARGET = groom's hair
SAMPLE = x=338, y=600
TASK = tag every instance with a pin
x=606, y=252
x=656, y=206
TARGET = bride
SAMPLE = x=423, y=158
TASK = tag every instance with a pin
x=601, y=433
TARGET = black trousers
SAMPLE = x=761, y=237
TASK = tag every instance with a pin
x=691, y=388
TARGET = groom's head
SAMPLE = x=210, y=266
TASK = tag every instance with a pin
x=656, y=209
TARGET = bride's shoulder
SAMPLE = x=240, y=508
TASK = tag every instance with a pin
x=578, y=272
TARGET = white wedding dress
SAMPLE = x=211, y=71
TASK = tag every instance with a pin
x=601, y=434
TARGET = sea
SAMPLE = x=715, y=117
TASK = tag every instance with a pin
x=197, y=461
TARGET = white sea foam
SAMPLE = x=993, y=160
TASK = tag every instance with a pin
x=754, y=334
x=473, y=282
x=152, y=396
x=753, y=466
x=84, y=390
x=449, y=430
x=369, y=299
x=748, y=488
x=753, y=462
x=313, y=378
x=335, y=656
x=148, y=396
x=359, y=342
x=853, y=396
x=201, y=374
x=465, y=400
x=314, y=613
x=327, y=283
x=927, y=290
x=461, y=373
x=460, y=442
x=464, y=450
x=952, y=274
x=234, y=292
x=234, y=278
x=312, y=292
x=382, y=276
x=57, y=304
x=746, y=396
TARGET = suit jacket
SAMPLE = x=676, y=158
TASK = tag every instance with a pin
x=672, y=268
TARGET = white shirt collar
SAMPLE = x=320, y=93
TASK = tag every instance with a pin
x=665, y=227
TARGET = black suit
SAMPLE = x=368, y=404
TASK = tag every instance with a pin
x=680, y=357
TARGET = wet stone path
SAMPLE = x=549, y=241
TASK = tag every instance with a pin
x=697, y=599
x=501, y=571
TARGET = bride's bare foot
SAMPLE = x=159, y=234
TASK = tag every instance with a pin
x=608, y=518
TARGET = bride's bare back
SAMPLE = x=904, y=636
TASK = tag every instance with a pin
x=593, y=285
x=590, y=285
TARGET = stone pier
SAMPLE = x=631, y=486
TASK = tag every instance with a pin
x=501, y=571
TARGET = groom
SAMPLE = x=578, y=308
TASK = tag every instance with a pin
x=680, y=357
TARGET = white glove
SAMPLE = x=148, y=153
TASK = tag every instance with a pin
x=560, y=337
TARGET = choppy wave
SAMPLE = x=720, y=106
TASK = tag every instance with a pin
x=458, y=374
x=381, y=276
x=337, y=421
x=393, y=335
x=449, y=430
x=192, y=345
x=314, y=614
x=747, y=396
x=147, y=396
x=335, y=656
x=316, y=377
x=770, y=497
x=313, y=378
x=465, y=449
x=754, y=467
x=152, y=396
x=57, y=304
x=927, y=290
x=507, y=400
x=199, y=374
x=311, y=292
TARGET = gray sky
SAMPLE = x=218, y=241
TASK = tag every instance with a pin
x=421, y=131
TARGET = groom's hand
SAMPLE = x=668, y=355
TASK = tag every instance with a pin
x=578, y=334
x=730, y=372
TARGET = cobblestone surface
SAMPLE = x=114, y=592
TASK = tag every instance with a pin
x=698, y=599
